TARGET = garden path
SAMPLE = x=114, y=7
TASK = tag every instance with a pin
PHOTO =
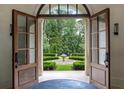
x=66, y=61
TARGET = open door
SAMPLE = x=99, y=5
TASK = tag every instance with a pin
x=25, y=65
x=100, y=50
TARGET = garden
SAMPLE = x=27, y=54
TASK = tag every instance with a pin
x=63, y=45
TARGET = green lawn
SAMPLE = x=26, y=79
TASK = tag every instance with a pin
x=64, y=67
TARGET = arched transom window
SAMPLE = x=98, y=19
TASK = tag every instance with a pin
x=54, y=10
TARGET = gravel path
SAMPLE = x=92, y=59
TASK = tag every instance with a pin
x=66, y=61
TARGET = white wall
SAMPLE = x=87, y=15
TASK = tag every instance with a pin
x=6, y=41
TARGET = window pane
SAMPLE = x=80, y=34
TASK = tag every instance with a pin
x=102, y=54
x=21, y=40
x=94, y=56
x=21, y=57
x=102, y=25
x=54, y=8
x=32, y=56
x=63, y=9
x=94, y=40
x=102, y=39
x=21, y=23
x=94, y=25
x=31, y=40
x=72, y=9
x=31, y=25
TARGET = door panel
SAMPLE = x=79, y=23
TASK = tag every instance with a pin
x=25, y=63
x=100, y=65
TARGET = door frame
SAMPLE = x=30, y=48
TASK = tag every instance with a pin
x=66, y=17
x=106, y=10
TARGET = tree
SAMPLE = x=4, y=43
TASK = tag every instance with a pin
x=64, y=36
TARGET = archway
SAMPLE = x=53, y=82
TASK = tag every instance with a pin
x=70, y=11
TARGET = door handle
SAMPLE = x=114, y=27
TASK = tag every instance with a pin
x=106, y=59
x=16, y=60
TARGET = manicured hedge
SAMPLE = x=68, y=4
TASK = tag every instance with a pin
x=77, y=57
x=78, y=65
x=77, y=54
x=45, y=58
x=49, y=54
x=49, y=65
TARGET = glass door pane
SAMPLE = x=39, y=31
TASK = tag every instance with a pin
x=31, y=39
x=94, y=56
x=21, y=23
x=31, y=56
x=94, y=25
x=102, y=39
x=102, y=22
x=94, y=40
x=21, y=40
x=102, y=54
x=31, y=25
x=22, y=56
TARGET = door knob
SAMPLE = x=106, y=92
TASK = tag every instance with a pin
x=16, y=60
x=106, y=59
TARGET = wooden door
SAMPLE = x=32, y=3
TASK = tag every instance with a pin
x=25, y=65
x=100, y=50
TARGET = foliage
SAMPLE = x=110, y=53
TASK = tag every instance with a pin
x=63, y=36
x=79, y=65
x=77, y=58
x=67, y=67
x=49, y=54
x=49, y=65
x=45, y=58
x=77, y=54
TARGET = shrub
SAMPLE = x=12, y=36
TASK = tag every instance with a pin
x=49, y=65
x=77, y=54
x=79, y=65
x=77, y=58
x=49, y=54
x=45, y=58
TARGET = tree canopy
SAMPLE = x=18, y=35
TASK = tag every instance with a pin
x=63, y=36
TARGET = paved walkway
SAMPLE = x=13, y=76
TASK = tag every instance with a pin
x=66, y=61
x=74, y=75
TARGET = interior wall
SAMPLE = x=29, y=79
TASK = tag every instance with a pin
x=6, y=41
x=116, y=43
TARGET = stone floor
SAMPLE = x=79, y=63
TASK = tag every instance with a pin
x=74, y=75
x=63, y=80
x=63, y=84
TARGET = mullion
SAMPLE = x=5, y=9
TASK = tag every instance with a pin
x=76, y=9
x=27, y=41
x=58, y=9
x=67, y=8
x=97, y=40
x=50, y=9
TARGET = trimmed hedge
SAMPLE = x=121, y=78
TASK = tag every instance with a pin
x=45, y=58
x=77, y=54
x=49, y=54
x=77, y=58
x=49, y=65
x=78, y=65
